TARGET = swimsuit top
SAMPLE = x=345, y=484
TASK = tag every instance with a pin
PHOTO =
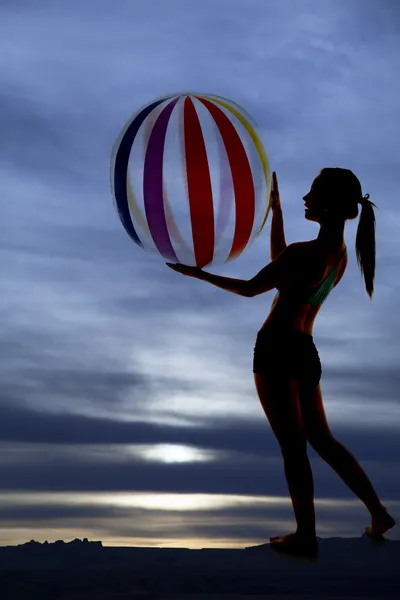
x=319, y=295
x=322, y=291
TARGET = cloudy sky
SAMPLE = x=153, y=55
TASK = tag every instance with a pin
x=128, y=411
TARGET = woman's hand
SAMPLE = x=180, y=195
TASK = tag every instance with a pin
x=274, y=196
x=185, y=269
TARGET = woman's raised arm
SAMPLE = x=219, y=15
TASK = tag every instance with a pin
x=277, y=241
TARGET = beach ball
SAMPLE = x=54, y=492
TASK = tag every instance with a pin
x=190, y=179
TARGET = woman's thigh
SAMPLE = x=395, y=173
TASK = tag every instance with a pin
x=313, y=413
x=280, y=401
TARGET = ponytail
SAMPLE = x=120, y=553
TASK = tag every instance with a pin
x=365, y=243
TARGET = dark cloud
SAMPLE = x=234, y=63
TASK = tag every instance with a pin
x=53, y=453
x=232, y=475
x=49, y=513
x=22, y=424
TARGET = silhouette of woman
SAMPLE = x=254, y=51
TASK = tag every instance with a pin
x=286, y=365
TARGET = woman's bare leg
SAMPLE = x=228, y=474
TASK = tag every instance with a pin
x=339, y=458
x=282, y=409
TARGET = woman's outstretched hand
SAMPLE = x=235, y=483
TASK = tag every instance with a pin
x=274, y=197
x=185, y=269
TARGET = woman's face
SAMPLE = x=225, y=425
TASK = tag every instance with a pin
x=312, y=201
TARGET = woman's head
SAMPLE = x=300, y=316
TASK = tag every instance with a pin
x=334, y=197
x=334, y=194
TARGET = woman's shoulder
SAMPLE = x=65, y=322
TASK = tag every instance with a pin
x=299, y=247
x=324, y=258
x=312, y=256
x=304, y=250
x=317, y=257
x=316, y=248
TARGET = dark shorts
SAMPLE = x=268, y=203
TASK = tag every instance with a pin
x=282, y=354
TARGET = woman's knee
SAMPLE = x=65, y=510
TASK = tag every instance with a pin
x=294, y=446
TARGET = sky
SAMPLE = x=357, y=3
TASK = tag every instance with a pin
x=128, y=411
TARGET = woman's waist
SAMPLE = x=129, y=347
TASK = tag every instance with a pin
x=284, y=330
x=288, y=324
x=286, y=315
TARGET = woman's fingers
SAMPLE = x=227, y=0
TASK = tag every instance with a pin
x=275, y=200
x=184, y=269
x=275, y=183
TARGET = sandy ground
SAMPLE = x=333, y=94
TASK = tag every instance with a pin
x=346, y=568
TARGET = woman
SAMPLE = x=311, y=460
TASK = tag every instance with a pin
x=286, y=365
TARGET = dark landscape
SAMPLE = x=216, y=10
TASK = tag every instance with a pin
x=346, y=568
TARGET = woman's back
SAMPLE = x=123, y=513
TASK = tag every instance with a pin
x=290, y=306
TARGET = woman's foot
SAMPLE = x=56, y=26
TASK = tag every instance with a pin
x=296, y=544
x=381, y=522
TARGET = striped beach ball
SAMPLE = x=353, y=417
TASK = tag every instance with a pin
x=190, y=179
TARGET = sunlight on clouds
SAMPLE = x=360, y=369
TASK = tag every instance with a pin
x=41, y=454
x=148, y=501
x=169, y=520
x=173, y=453
x=161, y=501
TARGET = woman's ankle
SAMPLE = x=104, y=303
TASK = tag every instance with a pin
x=306, y=532
x=377, y=510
